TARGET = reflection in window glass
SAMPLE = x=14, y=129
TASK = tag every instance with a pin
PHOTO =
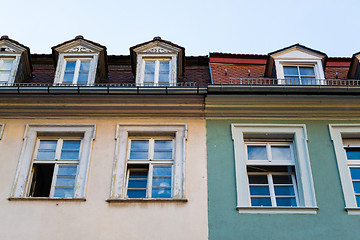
x=257, y=153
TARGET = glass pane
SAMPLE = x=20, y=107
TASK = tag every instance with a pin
x=64, y=192
x=356, y=187
x=282, y=179
x=358, y=201
x=285, y=202
x=260, y=202
x=70, y=154
x=4, y=76
x=85, y=66
x=7, y=65
x=163, y=144
x=255, y=190
x=48, y=144
x=307, y=71
x=257, y=153
x=353, y=153
x=68, y=78
x=70, y=66
x=136, y=193
x=138, y=174
x=163, y=154
x=164, y=79
x=139, y=144
x=355, y=173
x=150, y=66
x=161, y=181
x=281, y=153
x=68, y=181
x=290, y=71
x=161, y=193
x=139, y=154
x=162, y=170
x=284, y=191
x=46, y=154
x=149, y=78
x=138, y=183
x=83, y=78
x=258, y=179
x=164, y=66
x=67, y=170
x=71, y=144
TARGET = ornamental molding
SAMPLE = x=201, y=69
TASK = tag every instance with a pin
x=7, y=49
x=79, y=49
x=158, y=50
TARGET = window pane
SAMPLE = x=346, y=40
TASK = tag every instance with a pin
x=68, y=78
x=284, y=191
x=41, y=180
x=164, y=79
x=64, y=192
x=290, y=70
x=282, y=179
x=85, y=66
x=258, y=179
x=163, y=144
x=307, y=71
x=4, y=76
x=260, y=202
x=281, y=153
x=285, y=202
x=139, y=149
x=139, y=144
x=149, y=79
x=162, y=170
x=70, y=154
x=70, y=66
x=164, y=66
x=48, y=144
x=139, y=154
x=257, y=153
x=259, y=190
x=65, y=181
x=46, y=154
x=7, y=65
x=67, y=170
x=353, y=153
x=71, y=144
x=163, y=154
x=137, y=183
x=358, y=201
x=356, y=187
x=83, y=78
x=150, y=66
x=162, y=181
x=161, y=193
x=355, y=173
x=136, y=193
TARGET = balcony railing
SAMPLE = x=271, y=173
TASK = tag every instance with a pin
x=123, y=85
x=294, y=82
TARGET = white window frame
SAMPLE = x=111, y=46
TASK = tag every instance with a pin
x=32, y=133
x=125, y=131
x=338, y=132
x=16, y=60
x=64, y=57
x=297, y=134
x=316, y=64
x=142, y=58
x=2, y=126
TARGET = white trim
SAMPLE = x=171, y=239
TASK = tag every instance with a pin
x=306, y=191
x=2, y=126
x=337, y=132
x=21, y=180
x=278, y=210
x=118, y=185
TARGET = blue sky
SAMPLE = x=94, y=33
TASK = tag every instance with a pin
x=258, y=26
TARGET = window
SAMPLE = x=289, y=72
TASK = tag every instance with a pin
x=76, y=71
x=299, y=75
x=6, y=66
x=346, y=140
x=149, y=162
x=149, y=168
x=272, y=166
x=54, y=167
x=156, y=72
x=54, y=161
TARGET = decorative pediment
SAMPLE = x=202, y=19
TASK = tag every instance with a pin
x=9, y=46
x=78, y=45
x=6, y=49
x=297, y=52
x=79, y=49
x=158, y=50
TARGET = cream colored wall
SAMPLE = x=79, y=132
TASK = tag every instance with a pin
x=95, y=218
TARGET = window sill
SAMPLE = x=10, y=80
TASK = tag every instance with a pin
x=45, y=199
x=278, y=210
x=146, y=200
x=353, y=210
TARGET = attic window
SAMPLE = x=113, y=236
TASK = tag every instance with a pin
x=6, y=67
x=156, y=72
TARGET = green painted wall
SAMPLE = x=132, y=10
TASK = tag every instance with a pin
x=225, y=223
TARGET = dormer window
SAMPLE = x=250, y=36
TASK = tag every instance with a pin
x=6, y=66
x=296, y=65
x=80, y=62
x=157, y=63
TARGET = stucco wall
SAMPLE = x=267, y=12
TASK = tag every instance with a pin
x=95, y=218
x=225, y=223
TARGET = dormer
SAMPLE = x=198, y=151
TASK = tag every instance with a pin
x=296, y=65
x=15, y=64
x=79, y=62
x=157, y=63
x=354, y=69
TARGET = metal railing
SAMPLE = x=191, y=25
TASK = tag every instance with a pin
x=294, y=82
x=125, y=84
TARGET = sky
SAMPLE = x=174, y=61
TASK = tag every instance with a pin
x=229, y=26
